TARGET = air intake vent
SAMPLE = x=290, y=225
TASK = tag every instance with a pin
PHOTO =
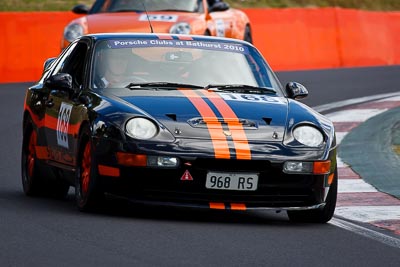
x=171, y=116
x=209, y=122
x=267, y=120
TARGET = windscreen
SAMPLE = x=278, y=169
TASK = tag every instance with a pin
x=149, y=5
x=120, y=62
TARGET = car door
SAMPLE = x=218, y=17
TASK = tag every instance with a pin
x=63, y=115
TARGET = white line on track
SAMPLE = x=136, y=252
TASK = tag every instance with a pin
x=355, y=186
x=369, y=214
x=340, y=136
x=388, y=240
x=341, y=164
x=354, y=115
x=340, y=104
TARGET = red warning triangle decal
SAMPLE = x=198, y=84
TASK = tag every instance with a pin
x=186, y=176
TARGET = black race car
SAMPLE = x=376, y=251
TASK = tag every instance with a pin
x=176, y=120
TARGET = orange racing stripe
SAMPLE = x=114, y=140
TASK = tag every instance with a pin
x=51, y=123
x=217, y=206
x=238, y=206
x=220, y=144
x=42, y=152
x=238, y=134
x=228, y=206
x=39, y=122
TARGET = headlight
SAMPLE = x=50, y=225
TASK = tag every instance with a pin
x=180, y=28
x=308, y=135
x=73, y=31
x=141, y=128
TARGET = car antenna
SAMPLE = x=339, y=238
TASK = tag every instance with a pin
x=147, y=15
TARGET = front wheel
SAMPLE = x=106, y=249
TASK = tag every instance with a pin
x=36, y=177
x=31, y=180
x=88, y=193
x=322, y=215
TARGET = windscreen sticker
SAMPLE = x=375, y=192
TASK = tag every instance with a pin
x=62, y=124
x=248, y=97
x=158, y=17
x=228, y=47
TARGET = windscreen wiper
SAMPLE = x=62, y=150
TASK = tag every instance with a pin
x=240, y=88
x=162, y=85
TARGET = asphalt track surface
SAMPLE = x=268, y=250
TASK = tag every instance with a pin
x=47, y=232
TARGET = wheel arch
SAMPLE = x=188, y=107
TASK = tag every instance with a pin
x=27, y=118
x=85, y=126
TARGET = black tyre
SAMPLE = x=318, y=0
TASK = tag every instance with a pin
x=322, y=215
x=247, y=34
x=88, y=192
x=32, y=182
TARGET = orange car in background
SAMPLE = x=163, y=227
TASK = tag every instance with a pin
x=199, y=17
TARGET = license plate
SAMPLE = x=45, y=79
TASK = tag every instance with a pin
x=232, y=181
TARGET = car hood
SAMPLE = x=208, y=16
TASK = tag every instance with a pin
x=136, y=22
x=204, y=115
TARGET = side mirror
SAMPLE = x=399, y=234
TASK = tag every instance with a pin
x=80, y=9
x=60, y=81
x=220, y=6
x=296, y=90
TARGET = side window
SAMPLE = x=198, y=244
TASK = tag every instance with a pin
x=73, y=63
x=200, y=7
x=61, y=62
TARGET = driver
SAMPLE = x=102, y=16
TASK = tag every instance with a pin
x=211, y=3
x=112, y=68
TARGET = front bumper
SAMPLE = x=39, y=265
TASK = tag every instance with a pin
x=275, y=190
x=167, y=186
